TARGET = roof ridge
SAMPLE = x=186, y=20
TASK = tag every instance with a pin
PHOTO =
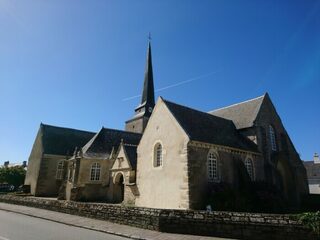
x=118, y=130
x=86, y=147
x=129, y=145
x=235, y=104
x=205, y=127
x=106, y=138
x=66, y=128
x=202, y=112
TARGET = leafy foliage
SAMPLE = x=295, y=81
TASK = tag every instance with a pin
x=311, y=220
x=12, y=175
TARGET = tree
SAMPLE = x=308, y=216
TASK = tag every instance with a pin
x=13, y=175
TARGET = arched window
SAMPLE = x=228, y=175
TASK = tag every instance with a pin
x=272, y=138
x=157, y=162
x=95, y=172
x=249, y=166
x=59, y=173
x=212, y=167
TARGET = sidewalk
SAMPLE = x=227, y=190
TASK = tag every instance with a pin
x=99, y=225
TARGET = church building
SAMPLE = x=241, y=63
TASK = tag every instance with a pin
x=168, y=155
x=313, y=173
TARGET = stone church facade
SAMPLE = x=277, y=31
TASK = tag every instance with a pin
x=168, y=154
x=313, y=173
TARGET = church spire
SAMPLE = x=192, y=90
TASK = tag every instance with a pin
x=148, y=88
x=143, y=112
x=147, y=99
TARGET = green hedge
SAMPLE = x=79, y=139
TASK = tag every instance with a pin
x=310, y=220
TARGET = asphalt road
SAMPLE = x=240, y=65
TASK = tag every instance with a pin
x=15, y=226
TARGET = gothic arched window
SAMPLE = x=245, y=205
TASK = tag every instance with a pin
x=59, y=173
x=249, y=166
x=272, y=138
x=212, y=167
x=95, y=172
x=157, y=161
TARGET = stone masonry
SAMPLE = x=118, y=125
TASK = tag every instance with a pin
x=254, y=226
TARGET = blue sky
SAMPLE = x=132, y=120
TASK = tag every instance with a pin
x=72, y=63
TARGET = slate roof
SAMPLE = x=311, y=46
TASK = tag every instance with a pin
x=147, y=97
x=106, y=139
x=131, y=151
x=148, y=87
x=207, y=128
x=242, y=114
x=62, y=141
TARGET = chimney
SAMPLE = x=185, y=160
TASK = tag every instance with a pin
x=6, y=164
x=316, y=158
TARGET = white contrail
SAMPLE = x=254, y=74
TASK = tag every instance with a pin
x=129, y=98
x=175, y=84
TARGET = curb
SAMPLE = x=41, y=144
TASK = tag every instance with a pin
x=79, y=226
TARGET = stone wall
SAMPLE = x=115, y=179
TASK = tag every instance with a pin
x=249, y=226
x=133, y=216
x=230, y=170
x=268, y=116
x=47, y=184
x=34, y=164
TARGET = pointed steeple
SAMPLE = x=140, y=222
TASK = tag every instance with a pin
x=148, y=88
x=147, y=99
x=143, y=112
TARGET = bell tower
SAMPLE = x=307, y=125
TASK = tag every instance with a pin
x=143, y=112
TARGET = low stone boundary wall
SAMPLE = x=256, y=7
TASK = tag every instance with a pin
x=254, y=226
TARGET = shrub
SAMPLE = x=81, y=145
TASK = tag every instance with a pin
x=310, y=220
x=13, y=175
